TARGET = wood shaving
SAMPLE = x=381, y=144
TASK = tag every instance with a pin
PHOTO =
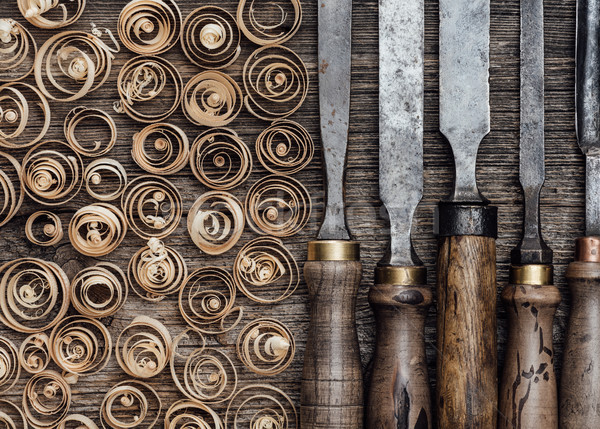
x=161, y=149
x=47, y=234
x=269, y=33
x=97, y=229
x=220, y=160
x=56, y=12
x=11, y=416
x=81, y=114
x=17, y=51
x=77, y=421
x=285, y=147
x=11, y=185
x=193, y=415
x=10, y=369
x=216, y=222
x=276, y=82
x=34, y=353
x=278, y=206
x=211, y=38
x=99, y=291
x=130, y=404
x=46, y=399
x=101, y=176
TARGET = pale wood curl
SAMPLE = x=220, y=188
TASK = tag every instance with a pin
x=97, y=229
x=10, y=368
x=11, y=416
x=46, y=399
x=101, y=175
x=187, y=414
x=285, y=147
x=263, y=33
x=11, y=187
x=99, y=291
x=80, y=114
x=130, y=404
x=50, y=14
x=51, y=232
x=34, y=353
x=17, y=51
x=161, y=149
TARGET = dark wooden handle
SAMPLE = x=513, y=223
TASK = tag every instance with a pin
x=399, y=396
x=580, y=382
x=467, y=389
x=528, y=392
x=332, y=384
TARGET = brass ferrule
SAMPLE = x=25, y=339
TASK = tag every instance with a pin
x=587, y=249
x=333, y=250
x=531, y=274
x=403, y=276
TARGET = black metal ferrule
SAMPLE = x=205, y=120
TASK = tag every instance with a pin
x=453, y=219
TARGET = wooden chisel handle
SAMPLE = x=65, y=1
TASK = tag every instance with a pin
x=399, y=396
x=528, y=392
x=332, y=382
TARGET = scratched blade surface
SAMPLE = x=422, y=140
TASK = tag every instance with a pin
x=464, y=87
x=401, y=94
x=335, y=22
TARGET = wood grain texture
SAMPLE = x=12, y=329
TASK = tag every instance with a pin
x=528, y=394
x=399, y=395
x=331, y=394
x=467, y=392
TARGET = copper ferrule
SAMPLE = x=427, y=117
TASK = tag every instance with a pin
x=403, y=276
x=587, y=249
x=531, y=274
x=333, y=250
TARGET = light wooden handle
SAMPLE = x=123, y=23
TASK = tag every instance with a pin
x=399, y=396
x=467, y=388
x=528, y=392
x=332, y=384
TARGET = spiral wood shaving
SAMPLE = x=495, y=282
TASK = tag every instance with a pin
x=158, y=270
x=80, y=114
x=11, y=416
x=186, y=414
x=46, y=399
x=34, y=353
x=11, y=186
x=220, y=159
x=261, y=406
x=266, y=347
x=50, y=233
x=130, y=404
x=34, y=10
x=212, y=99
x=77, y=421
x=101, y=176
x=149, y=89
x=99, y=291
x=97, y=229
x=276, y=82
x=17, y=51
x=203, y=374
x=149, y=27
x=285, y=147
x=266, y=271
x=161, y=149
x=211, y=38
x=144, y=347
x=278, y=205
x=23, y=110
x=84, y=62
x=152, y=205
x=51, y=173
x=269, y=33
x=207, y=300
x=10, y=369
x=34, y=295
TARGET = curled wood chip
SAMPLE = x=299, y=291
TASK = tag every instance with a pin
x=101, y=176
x=51, y=13
x=81, y=114
x=46, y=399
x=130, y=404
x=261, y=406
x=150, y=27
x=202, y=374
x=276, y=82
x=44, y=233
x=220, y=159
x=186, y=414
x=34, y=353
x=11, y=187
x=216, y=222
x=152, y=205
x=77, y=421
x=99, y=291
x=211, y=38
x=144, y=347
x=158, y=270
x=11, y=416
x=34, y=295
x=51, y=173
x=24, y=115
x=10, y=369
x=212, y=99
x=285, y=147
x=266, y=271
x=269, y=22
x=161, y=149
x=17, y=51
x=72, y=64
x=278, y=205
x=97, y=229
x=149, y=89
x=207, y=300
x=80, y=345
x=266, y=346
